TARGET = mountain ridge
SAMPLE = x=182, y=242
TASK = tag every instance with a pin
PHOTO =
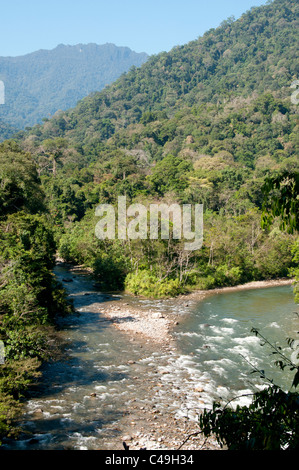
x=68, y=47
x=40, y=83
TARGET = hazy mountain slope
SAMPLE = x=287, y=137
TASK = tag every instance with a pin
x=6, y=131
x=40, y=83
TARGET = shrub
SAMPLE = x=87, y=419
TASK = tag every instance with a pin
x=148, y=284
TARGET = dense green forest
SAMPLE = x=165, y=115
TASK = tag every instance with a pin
x=30, y=296
x=211, y=122
x=42, y=82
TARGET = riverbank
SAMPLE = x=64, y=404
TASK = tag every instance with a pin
x=156, y=324
x=248, y=285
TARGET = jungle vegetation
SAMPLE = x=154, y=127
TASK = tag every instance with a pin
x=211, y=122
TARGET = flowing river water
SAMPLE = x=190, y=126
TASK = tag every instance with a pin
x=110, y=382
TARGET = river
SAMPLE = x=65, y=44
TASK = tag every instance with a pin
x=110, y=381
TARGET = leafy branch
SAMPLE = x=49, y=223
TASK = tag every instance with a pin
x=283, y=362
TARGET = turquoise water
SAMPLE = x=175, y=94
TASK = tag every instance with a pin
x=217, y=338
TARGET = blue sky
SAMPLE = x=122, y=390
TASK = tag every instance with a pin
x=148, y=26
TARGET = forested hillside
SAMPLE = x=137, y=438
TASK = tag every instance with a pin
x=241, y=59
x=43, y=82
x=207, y=123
